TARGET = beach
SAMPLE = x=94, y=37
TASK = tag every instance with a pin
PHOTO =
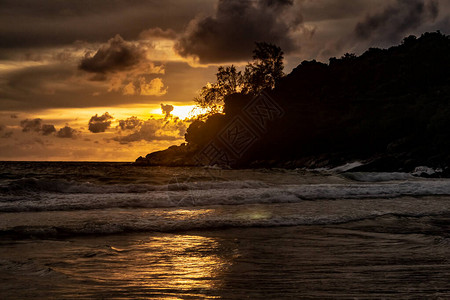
x=372, y=259
x=86, y=231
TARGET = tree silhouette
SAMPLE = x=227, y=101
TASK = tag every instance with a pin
x=263, y=72
x=266, y=69
x=228, y=81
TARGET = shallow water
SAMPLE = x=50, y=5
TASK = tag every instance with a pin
x=388, y=257
x=99, y=230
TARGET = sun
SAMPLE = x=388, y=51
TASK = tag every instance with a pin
x=182, y=111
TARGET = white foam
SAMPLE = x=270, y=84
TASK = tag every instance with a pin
x=246, y=215
x=376, y=176
x=73, y=187
x=223, y=193
x=346, y=167
x=423, y=170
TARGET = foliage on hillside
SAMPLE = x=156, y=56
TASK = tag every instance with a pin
x=389, y=106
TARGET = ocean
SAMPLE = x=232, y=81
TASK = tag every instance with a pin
x=116, y=231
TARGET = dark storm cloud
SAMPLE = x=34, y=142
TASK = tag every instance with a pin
x=100, y=123
x=37, y=86
x=34, y=77
x=129, y=123
x=54, y=22
x=166, y=109
x=395, y=20
x=46, y=86
x=58, y=85
x=67, y=132
x=381, y=24
x=230, y=34
x=116, y=55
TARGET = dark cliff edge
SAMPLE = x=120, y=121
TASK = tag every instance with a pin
x=388, y=108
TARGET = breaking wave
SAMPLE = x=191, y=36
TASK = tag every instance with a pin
x=66, y=196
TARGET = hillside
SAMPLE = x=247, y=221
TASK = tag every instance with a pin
x=388, y=107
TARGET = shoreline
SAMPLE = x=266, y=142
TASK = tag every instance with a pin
x=368, y=258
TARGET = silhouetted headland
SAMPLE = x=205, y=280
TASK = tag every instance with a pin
x=388, y=108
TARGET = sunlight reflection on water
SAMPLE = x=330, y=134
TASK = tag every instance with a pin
x=385, y=257
x=165, y=265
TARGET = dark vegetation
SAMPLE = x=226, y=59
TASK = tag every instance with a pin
x=387, y=107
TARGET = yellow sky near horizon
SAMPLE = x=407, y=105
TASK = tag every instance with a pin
x=89, y=146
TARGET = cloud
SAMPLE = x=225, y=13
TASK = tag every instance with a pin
x=129, y=123
x=326, y=10
x=54, y=22
x=126, y=66
x=35, y=125
x=116, y=55
x=31, y=125
x=150, y=130
x=67, y=132
x=100, y=123
x=155, y=87
x=230, y=34
x=26, y=87
x=47, y=129
x=395, y=20
x=378, y=25
x=166, y=109
x=6, y=135
x=158, y=33
x=155, y=130
x=14, y=116
x=38, y=85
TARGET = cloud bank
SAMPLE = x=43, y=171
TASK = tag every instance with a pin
x=230, y=34
x=116, y=55
x=396, y=20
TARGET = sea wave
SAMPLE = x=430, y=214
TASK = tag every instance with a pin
x=97, y=228
x=27, y=185
x=119, y=222
x=376, y=176
x=192, y=194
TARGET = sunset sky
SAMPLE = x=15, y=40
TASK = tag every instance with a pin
x=95, y=80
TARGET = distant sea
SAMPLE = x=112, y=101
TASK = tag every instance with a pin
x=117, y=231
